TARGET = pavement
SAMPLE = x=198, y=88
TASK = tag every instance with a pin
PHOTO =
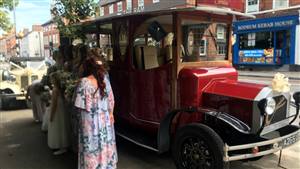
x=269, y=74
x=24, y=146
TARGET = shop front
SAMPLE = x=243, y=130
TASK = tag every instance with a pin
x=267, y=41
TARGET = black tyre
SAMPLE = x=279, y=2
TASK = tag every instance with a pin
x=8, y=103
x=197, y=146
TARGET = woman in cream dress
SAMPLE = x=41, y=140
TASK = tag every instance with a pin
x=59, y=125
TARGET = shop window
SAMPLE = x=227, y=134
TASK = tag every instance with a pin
x=220, y=32
x=111, y=9
x=129, y=5
x=251, y=39
x=120, y=6
x=256, y=48
x=252, y=6
x=259, y=40
x=280, y=4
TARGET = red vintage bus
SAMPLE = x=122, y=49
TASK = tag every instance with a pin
x=176, y=90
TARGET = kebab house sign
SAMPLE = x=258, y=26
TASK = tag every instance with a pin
x=266, y=25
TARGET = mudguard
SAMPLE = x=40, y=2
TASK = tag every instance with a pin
x=233, y=122
x=164, y=135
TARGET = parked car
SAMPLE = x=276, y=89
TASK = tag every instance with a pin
x=14, y=83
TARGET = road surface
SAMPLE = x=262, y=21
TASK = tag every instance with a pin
x=24, y=146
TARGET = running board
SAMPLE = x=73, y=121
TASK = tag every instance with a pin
x=137, y=137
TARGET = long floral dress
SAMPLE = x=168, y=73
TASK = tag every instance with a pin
x=97, y=145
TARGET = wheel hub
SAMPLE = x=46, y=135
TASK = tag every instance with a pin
x=195, y=154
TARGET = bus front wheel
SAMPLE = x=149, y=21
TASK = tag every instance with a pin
x=197, y=146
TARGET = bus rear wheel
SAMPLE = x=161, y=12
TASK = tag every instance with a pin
x=197, y=146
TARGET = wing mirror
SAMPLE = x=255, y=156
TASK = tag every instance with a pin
x=296, y=97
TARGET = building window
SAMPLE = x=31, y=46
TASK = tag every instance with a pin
x=141, y=3
x=280, y=4
x=221, y=49
x=202, y=47
x=120, y=6
x=252, y=6
x=129, y=5
x=155, y=1
x=220, y=32
x=102, y=11
x=111, y=8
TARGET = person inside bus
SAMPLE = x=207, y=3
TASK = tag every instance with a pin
x=59, y=124
x=95, y=103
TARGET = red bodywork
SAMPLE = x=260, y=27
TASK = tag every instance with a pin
x=219, y=89
x=144, y=98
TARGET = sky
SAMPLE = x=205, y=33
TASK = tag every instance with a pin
x=30, y=12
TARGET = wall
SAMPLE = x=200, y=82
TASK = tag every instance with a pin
x=3, y=49
x=237, y=5
x=32, y=45
x=51, y=34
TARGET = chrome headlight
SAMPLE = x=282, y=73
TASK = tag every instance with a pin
x=270, y=105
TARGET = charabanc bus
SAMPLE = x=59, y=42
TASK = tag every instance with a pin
x=176, y=90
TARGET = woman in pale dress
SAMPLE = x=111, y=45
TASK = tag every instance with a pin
x=59, y=125
x=33, y=94
x=95, y=102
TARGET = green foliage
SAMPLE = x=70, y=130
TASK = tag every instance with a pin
x=5, y=6
x=69, y=12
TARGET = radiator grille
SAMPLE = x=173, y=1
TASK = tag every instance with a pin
x=24, y=82
x=280, y=111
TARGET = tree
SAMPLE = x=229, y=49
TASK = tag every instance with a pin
x=69, y=12
x=5, y=7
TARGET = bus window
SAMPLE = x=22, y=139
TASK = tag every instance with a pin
x=146, y=51
x=105, y=39
x=204, y=41
x=149, y=53
x=123, y=40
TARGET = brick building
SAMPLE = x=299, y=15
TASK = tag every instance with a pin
x=51, y=38
x=11, y=44
x=3, y=50
x=117, y=7
x=273, y=39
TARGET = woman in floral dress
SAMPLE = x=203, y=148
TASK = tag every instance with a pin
x=95, y=101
